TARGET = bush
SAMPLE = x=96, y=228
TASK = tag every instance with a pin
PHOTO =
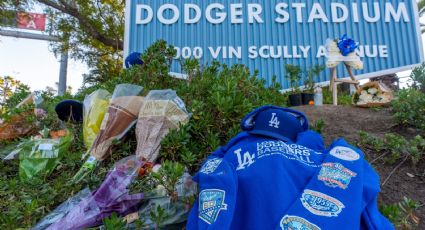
x=343, y=98
x=395, y=147
x=402, y=214
x=218, y=97
x=418, y=78
x=409, y=108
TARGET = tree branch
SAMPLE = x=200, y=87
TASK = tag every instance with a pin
x=85, y=23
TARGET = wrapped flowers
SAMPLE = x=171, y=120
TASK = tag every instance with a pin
x=373, y=94
x=342, y=50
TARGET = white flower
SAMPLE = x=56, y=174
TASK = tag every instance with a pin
x=366, y=97
x=372, y=90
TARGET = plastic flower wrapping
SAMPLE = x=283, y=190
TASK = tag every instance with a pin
x=18, y=125
x=373, y=94
x=161, y=112
x=120, y=115
x=95, y=108
x=39, y=157
x=87, y=209
x=177, y=211
x=342, y=50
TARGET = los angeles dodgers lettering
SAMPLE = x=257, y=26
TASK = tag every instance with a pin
x=211, y=202
x=321, y=204
x=289, y=151
x=335, y=175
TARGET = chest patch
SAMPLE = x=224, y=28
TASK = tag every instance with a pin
x=211, y=203
x=321, y=204
x=296, y=223
x=345, y=153
x=211, y=165
x=335, y=175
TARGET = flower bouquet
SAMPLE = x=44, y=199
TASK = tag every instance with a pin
x=342, y=50
x=373, y=94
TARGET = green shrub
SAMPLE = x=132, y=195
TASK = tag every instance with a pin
x=394, y=146
x=402, y=214
x=318, y=126
x=218, y=96
x=418, y=78
x=409, y=108
x=343, y=98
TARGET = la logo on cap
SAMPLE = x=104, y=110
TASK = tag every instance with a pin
x=274, y=121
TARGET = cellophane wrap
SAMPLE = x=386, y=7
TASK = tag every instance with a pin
x=161, y=111
x=39, y=157
x=94, y=109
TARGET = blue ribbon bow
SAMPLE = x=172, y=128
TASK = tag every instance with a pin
x=347, y=45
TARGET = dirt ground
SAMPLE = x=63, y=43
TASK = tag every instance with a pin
x=347, y=121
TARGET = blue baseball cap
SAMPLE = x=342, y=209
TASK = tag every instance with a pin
x=70, y=110
x=133, y=59
x=280, y=123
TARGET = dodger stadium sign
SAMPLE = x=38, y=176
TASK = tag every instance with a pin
x=267, y=34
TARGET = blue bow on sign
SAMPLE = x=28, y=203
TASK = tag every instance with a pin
x=347, y=45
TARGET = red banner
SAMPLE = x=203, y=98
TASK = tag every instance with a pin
x=31, y=21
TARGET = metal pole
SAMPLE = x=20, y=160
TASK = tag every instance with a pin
x=63, y=73
x=18, y=34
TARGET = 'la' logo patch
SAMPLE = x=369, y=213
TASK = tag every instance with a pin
x=321, y=204
x=335, y=175
x=211, y=202
x=274, y=121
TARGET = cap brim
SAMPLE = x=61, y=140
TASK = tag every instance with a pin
x=270, y=134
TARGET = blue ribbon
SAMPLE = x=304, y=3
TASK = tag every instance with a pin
x=347, y=45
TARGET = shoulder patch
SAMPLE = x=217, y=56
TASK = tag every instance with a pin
x=321, y=204
x=345, y=153
x=296, y=223
x=335, y=175
x=211, y=165
x=211, y=202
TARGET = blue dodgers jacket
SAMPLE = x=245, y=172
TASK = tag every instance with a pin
x=257, y=182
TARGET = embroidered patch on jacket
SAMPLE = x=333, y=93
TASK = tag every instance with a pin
x=296, y=223
x=211, y=165
x=211, y=202
x=335, y=175
x=345, y=153
x=321, y=204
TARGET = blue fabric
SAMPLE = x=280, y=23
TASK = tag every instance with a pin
x=258, y=182
x=311, y=140
x=133, y=59
x=271, y=121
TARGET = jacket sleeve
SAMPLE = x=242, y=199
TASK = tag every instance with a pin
x=215, y=205
x=372, y=219
x=311, y=140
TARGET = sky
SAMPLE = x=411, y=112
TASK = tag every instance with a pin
x=33, y=63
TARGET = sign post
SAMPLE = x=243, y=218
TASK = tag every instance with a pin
x=265, y=35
